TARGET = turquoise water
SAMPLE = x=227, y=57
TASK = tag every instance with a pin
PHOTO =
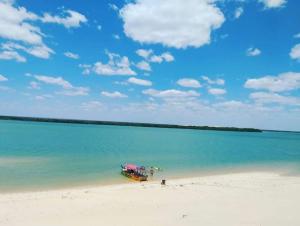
x=36, y=155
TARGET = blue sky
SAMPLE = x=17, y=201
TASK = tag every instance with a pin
x=200, y=62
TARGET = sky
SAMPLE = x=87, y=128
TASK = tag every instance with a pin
x=190, y=62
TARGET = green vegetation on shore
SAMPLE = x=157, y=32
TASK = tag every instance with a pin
x=136, y=124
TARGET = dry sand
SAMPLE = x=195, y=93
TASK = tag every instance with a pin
x=241, y=199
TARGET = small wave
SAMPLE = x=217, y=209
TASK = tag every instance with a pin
x=12, y=161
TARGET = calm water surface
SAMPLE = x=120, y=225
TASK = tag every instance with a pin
x=36, y=155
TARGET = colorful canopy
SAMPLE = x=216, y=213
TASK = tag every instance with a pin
x=133, y=167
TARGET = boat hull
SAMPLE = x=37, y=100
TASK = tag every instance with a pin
x=134, y=177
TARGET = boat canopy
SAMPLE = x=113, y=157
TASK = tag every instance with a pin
x=133, y=167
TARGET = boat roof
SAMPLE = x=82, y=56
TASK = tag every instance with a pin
x=133, y=167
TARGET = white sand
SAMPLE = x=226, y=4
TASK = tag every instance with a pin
x=243, y=199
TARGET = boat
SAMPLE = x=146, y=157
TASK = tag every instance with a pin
x=137, y=173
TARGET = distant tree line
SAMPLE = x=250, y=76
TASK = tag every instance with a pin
x=136, y=124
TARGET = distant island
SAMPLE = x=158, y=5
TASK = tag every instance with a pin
x=136, y=124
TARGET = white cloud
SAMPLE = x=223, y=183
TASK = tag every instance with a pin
x=92, y=105
x=238, y=12
x=34, y=85
x=15, y=24
x=54, y=81
x=168, y=57
x=141, y=82
x=113, y=7
x=265, y=98
x=216, y=91
x=283, y=82
x=115, y=94
x=12, y=55
x=99, y=27
x=273, y=3
x=189, y=82
x=170, y=93
x=43, y=97
x=149, y=56
x=232, y=104
x=144, y=53
x=116, y=65
x=295, y=52
x=160, y=58
x=68, y=88
x=69, y=19
x=173, y=23
x=217, y=81
x=19, y=25
x=71, y=55
x=75, y=91
x=143, y=65
x=253, y=51
x=3, y=78
x=40, y=51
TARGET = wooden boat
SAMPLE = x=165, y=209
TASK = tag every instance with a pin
x=134, y=172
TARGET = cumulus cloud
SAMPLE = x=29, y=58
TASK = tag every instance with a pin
x=3, y=78
x=12, y=55
x=217, y=81
x=265, y=98
x=273, y=3
x=253, y=51
x=144, y=53
x=216, y=91
x=149, y=56
x=17, y=24
x=143, y=65
x=54, y=81
x=68, y=88
x=69, y=19
x=71, y=55
x=189, y=82
x=40, y=51
x=116, y=65
x=168, y=57
x=172, y=23
x=238, y=12
x=295, y=52
x=170, y=93
x=115, y=94
x=141, y=82
x=283, y=82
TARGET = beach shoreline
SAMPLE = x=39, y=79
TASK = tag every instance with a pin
x=245, y=198
x=283, y=169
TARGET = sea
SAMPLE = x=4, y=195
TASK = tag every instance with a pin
x=45, y=156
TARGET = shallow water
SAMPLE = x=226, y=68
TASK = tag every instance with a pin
x=38, y=155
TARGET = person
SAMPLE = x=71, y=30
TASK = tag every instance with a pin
x=151, y=171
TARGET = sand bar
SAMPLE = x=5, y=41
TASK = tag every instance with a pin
x=239, y=199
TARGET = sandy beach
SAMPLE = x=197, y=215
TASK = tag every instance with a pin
x=250, y=199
